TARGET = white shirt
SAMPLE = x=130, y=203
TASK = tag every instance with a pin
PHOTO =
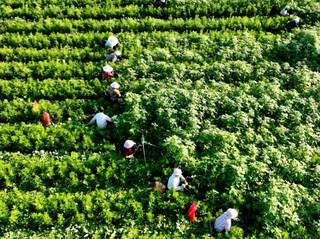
x=223, y=223
x=101, y=119
x=284, y=12
x=173, y=182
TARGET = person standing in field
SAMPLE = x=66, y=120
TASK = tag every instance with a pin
x=101, y=120
x=223, y=222
x=176, y=179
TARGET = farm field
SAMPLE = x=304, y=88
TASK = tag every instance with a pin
x=217, y=88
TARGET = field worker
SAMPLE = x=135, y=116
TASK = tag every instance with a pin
x=286, y=11
x=112, y=42
x=113, y=92
x=157, y=186
x=46, y=119
x=114, y=57
x=192, y=212
x=294, y=23
x=101, y=120
x=129, y=148
x=175, y=179
x=35, y=106
x=107, y=72
x=224, y=221
x=160, y=3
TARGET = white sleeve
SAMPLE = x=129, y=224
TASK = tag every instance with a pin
x=108, y=118
x=182, y=179
x=93, y=119
x=227, y=226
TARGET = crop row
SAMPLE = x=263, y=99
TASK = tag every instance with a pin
x=176, y=8
x=19, y=110
x=135, y=68
x=210, y=49
x=218, y=46
x=231, y=72
x=72, y=172
x=67, y=136
x=49, y=25
x=107, y=205
x=221, y=7
x=245, y=48
x=145, y=39
x=108, y=208
x=51, y=89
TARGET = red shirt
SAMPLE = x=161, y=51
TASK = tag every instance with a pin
x=106, y=75
x=45, y=118
x=192, y=212
x=128, y=152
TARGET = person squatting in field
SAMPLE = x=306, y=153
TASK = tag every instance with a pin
x=101, y=120
x=176, y=179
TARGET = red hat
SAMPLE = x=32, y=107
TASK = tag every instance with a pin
x=45, y=118
x=192, y=212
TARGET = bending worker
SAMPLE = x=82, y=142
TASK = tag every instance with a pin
x=129, y=148
x=113, y=92
x=157, y=186
x=294, y=23
x=107, y=72
x=101, y=120
x=114, y=57
x=224, y=221
x=112, y=42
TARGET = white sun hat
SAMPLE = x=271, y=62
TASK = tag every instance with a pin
x=107, y=68
x=115, y=85
x=112, y=41
x=128, y=144
x=177, y=172
x=232, y=213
